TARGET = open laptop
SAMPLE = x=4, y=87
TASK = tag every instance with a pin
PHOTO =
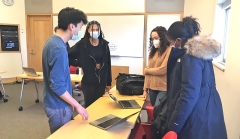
x=30, y=72
x=126, y=104
x=109, y=121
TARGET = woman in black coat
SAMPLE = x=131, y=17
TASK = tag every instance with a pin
x=92, y=54
x=194, y=106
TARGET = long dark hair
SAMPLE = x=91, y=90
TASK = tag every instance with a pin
x=185, y=29
x=87, y=34
x=161, y=31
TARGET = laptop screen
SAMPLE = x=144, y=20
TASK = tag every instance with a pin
x=112, y=97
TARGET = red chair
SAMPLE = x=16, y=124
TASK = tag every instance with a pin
x=150, y=112
x=147, y=129
x=137, y=132
x=146, y=126
x=72, y=69
x=170, y=135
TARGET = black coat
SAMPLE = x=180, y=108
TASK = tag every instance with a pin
x=194, y=106
x=80, y=55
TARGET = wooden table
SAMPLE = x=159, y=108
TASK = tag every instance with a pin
x=4, y=93
x=74, y=78
x=78, y=128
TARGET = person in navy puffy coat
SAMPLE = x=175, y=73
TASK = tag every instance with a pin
x=194, y=108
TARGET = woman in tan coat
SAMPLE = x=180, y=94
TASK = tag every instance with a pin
x=156, y=73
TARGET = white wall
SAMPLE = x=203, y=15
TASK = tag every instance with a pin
x=228, y=82
x=11, y=61
x=135, y=64
x=203, y=10
x=101, y=6
x=108, y=6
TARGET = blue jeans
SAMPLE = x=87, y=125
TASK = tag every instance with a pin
x=155, y=95
x=58, y=117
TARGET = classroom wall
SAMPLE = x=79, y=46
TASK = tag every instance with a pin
x=101, y=6
x=38, y=6
x=164, y=5
x=204, y=10
x=227, y=82
x=116, y=6
x=11, y=61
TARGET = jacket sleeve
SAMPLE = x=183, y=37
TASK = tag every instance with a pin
x=192, y=68
x=162, y=70
x=73, y=55
x=109, y=78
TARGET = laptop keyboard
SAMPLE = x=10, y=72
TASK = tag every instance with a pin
x=109, y=122
x=126, y=104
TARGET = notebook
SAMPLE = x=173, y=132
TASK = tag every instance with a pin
x=30, y=72
x=109, y=121
x=126, y=104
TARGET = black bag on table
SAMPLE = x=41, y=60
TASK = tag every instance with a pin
x=130, y=84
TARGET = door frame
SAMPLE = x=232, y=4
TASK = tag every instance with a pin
x=27, y=17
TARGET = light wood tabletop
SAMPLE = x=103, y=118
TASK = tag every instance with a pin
x=78, y=128
x=74, y=77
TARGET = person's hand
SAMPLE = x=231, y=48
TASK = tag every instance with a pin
x=144, y=95
x=83, y=112
x=108, y=88
x=98, y=66
x=145, y=71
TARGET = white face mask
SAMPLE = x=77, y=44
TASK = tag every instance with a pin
x=94, y=34
x=156, y=43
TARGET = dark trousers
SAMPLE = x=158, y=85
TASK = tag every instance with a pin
x=92, y=93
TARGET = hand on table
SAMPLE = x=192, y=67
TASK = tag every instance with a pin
x=83, y=112
x=144, y=95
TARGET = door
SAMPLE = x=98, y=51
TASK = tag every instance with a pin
x=39, y=29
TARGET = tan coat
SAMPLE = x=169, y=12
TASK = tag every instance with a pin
x=156, y=72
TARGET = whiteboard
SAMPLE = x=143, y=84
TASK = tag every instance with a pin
x=164, y=20
x=123, y=32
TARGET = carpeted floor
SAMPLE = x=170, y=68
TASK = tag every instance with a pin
x=31, y=123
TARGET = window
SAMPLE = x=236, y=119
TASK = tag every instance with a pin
x=221, y=29
x=225, y=37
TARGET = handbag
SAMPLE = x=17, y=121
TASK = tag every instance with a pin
x=130, y=84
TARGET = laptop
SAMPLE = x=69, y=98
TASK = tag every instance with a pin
x=109, y=121
x=126, y=104
x=30, y=72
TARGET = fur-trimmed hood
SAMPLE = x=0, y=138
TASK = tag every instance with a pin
x=203, y=47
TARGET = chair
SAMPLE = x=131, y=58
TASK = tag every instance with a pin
x=73, y=70
x=137, y=132
x=147, y=129
x=146, y=126
x=170, y=135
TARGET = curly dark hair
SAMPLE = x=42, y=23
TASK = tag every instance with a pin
x=185, y=29
x=161, y=31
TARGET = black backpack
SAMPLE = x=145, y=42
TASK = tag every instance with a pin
x=130, y=84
